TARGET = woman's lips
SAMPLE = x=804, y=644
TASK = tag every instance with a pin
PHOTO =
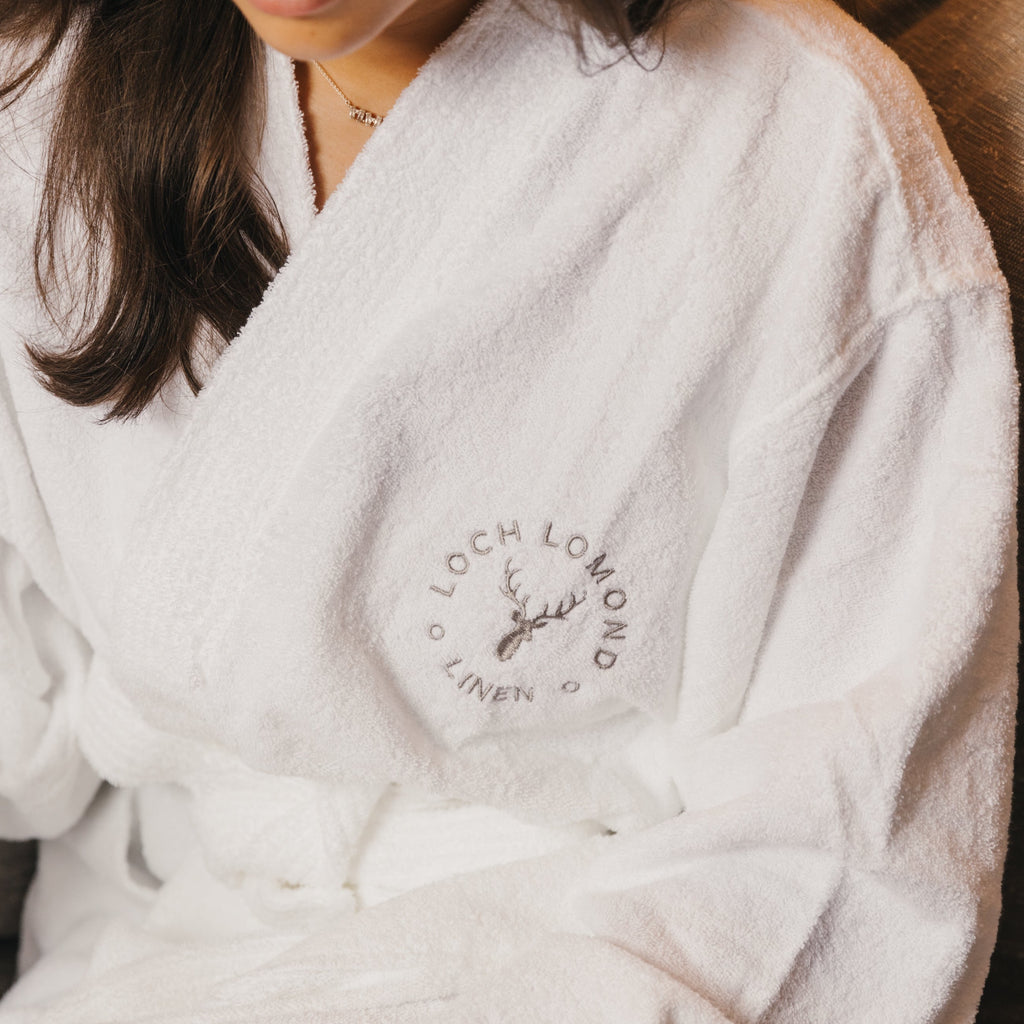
x=290, y=8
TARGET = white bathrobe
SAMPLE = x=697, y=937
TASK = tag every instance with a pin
x=582, y=592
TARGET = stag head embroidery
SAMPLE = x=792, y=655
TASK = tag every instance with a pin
x=524, y=625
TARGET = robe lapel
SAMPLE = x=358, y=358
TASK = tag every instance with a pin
x=406, y=385
x=407, y=201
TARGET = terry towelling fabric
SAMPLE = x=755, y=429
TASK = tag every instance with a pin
x=624, y=462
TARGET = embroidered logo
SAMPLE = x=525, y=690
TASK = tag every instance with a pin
x=509, y=643
x=482, y=640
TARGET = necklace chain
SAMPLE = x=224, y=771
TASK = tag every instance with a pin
x=360, y=114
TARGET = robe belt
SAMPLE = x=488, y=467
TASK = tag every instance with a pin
x=413, y=840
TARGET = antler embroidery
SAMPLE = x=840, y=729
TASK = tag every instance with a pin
x=524, y=626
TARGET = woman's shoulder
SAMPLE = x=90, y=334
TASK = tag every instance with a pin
x=812, y=101
x=863, y=73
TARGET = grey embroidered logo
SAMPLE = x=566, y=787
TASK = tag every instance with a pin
x=509, y=643
x=485, y=647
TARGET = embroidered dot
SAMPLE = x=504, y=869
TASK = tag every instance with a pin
x=570, y=686
x=436, y=631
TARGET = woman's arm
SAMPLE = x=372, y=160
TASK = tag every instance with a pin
x=45, y=782
x=840, y=854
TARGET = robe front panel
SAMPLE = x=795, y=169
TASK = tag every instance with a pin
x=437, y=517
x=440, y=511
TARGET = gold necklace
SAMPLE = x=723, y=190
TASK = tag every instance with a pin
x=360, y=114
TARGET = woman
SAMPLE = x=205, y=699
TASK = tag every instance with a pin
x=581, y=590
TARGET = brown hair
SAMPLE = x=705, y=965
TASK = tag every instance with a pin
x=153, y=146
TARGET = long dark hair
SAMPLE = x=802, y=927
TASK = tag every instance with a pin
x=153, y=147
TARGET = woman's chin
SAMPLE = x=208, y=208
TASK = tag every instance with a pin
x=291, y=8
x=311, y=29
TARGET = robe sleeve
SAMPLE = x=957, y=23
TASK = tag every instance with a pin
x=45, y=782
x=840, y=851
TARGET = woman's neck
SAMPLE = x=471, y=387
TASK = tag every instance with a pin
x=372, y=76
x=401, y=48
